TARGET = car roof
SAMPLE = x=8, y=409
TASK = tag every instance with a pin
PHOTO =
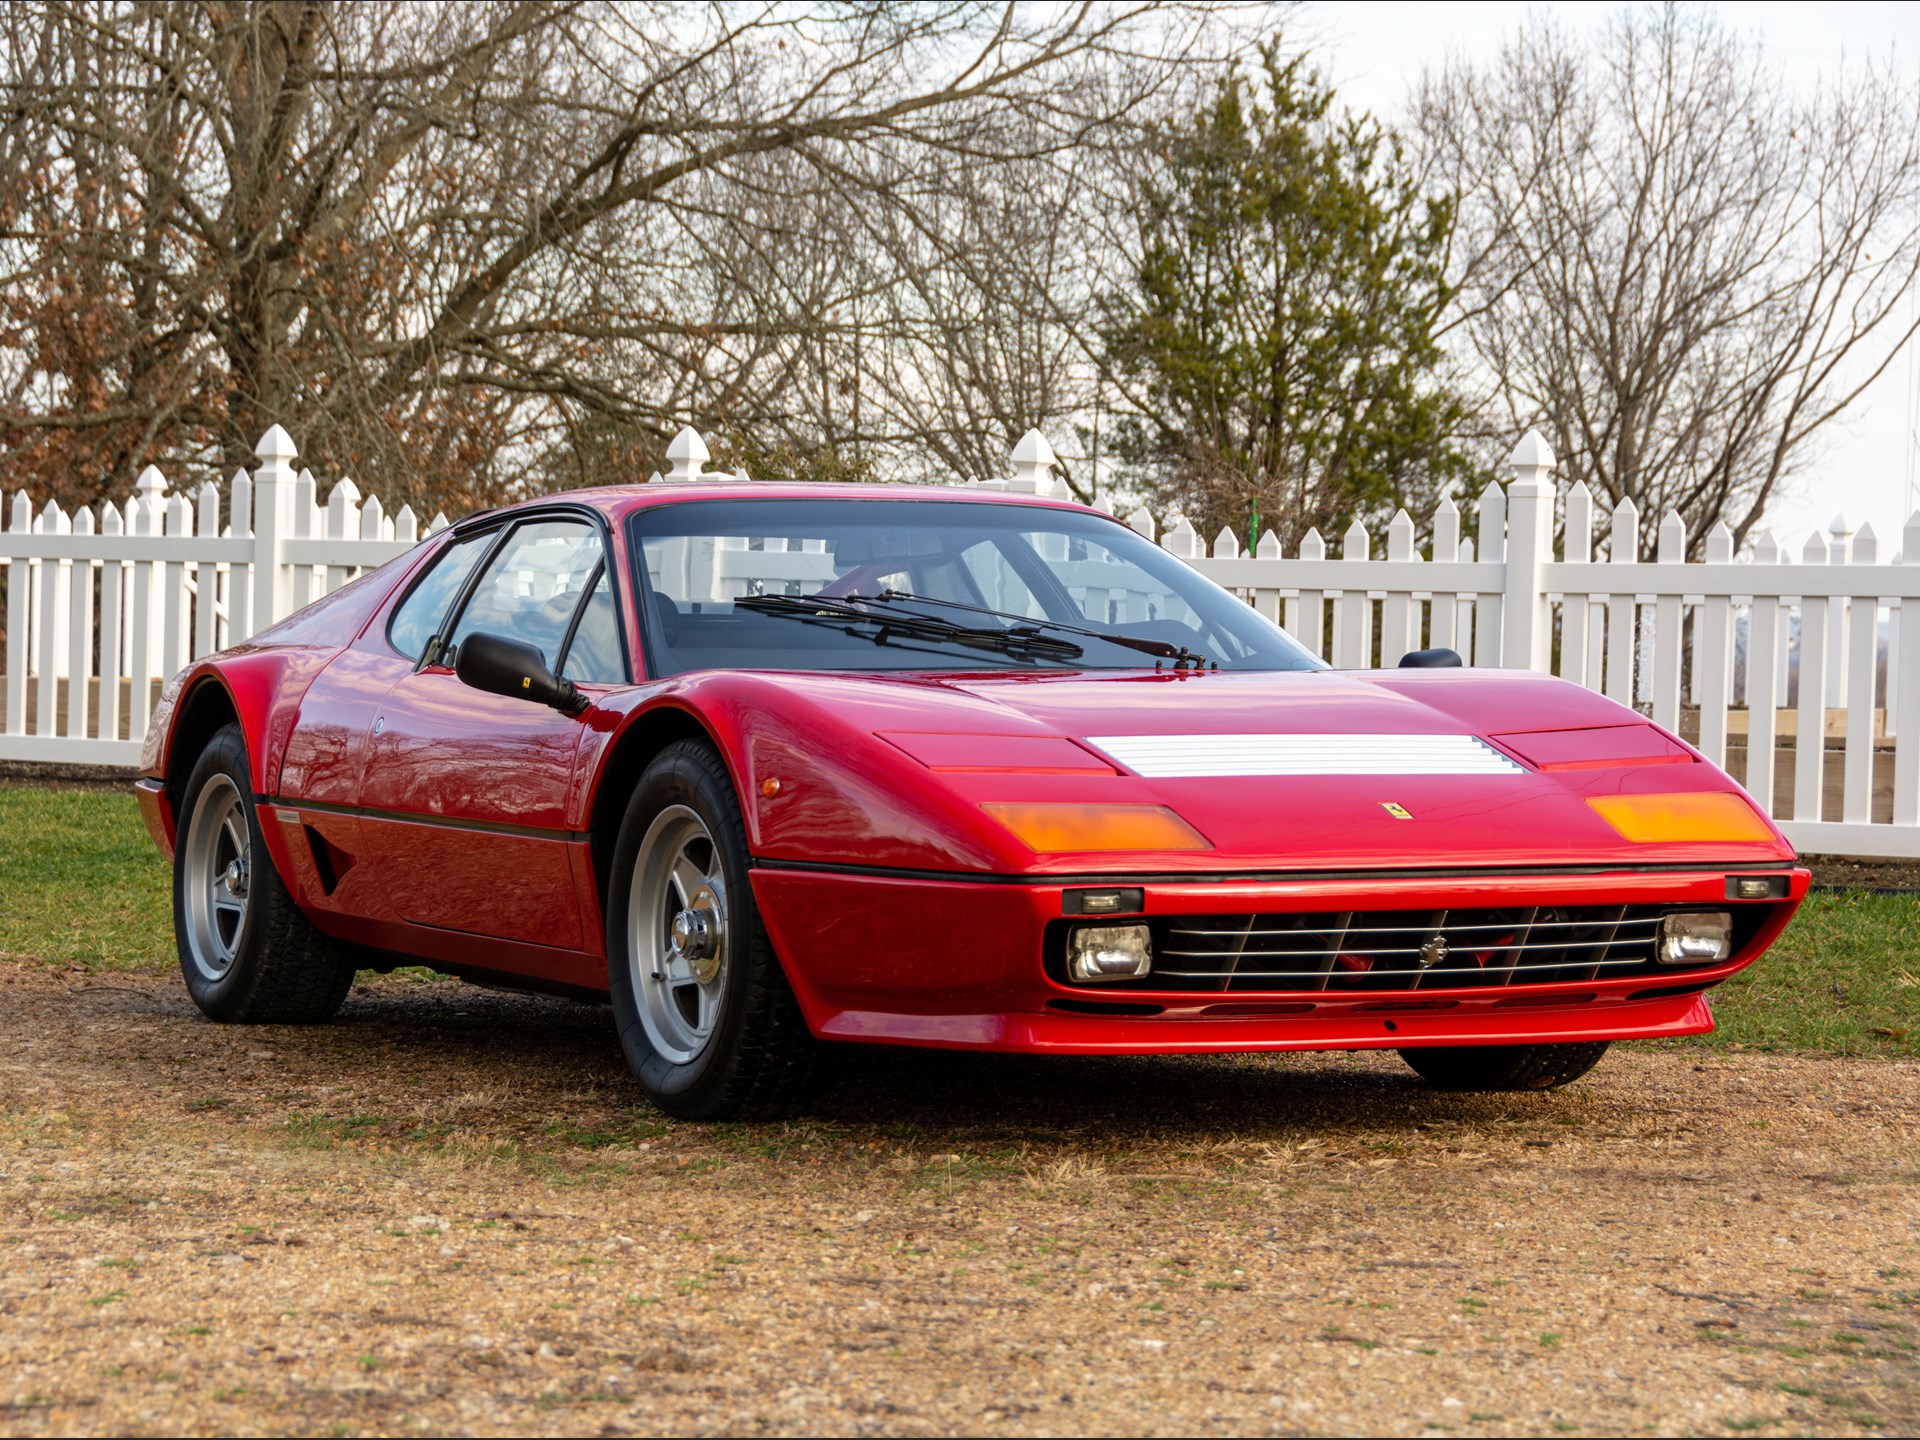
x=617, y=501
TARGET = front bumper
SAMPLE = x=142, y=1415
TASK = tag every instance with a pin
x=960, y=963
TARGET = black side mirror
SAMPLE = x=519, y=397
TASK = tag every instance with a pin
x=1431, y=660
x=512, y=667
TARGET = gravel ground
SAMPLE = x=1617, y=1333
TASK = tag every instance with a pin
x=450, y=1212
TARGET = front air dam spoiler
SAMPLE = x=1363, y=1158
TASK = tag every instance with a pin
x=1057, y=1033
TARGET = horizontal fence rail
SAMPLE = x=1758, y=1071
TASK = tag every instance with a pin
x=1793, y=672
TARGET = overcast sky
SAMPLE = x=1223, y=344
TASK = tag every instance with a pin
x=1374, y=53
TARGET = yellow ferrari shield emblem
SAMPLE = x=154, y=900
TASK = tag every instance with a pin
x=1396, y=810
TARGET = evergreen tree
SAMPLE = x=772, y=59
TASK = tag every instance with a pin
x=1278, y=342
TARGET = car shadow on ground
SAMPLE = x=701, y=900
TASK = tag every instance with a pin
x=411, y=1046
x=472, y=1037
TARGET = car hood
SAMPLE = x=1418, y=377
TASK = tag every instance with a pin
x=1279, y=771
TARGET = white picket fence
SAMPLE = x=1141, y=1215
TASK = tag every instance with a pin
x=1749, y=658
x=100, y=610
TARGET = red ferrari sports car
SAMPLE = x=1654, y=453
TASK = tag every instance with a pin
x=776, y=766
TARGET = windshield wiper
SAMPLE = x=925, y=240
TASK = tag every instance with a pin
x=1182, y=657
x=1021, y=642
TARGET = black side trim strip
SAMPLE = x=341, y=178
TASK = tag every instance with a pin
x=1236, y=877
x=407, y=817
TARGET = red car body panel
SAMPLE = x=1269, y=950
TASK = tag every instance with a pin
x=417, y=816
x=973, y=945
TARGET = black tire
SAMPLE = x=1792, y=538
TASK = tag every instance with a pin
x=281, y=971
x=758, y=1061
x=1504, y=1067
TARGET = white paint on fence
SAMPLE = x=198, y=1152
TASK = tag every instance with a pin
x=99, y=613
x=1751, y=655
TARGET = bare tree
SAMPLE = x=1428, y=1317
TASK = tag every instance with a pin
x=462, y=248
x=1671, y=265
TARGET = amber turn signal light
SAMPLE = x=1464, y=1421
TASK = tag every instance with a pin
x=1671, y=819
x=1054, y=829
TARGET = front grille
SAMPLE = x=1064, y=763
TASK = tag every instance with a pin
x=1398, y=950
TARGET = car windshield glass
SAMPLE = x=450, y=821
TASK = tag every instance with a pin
x=1031, y=570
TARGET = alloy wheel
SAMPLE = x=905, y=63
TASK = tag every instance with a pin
x=677, y=934
x=217, y=857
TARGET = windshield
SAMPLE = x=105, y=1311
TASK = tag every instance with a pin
x=717, y=578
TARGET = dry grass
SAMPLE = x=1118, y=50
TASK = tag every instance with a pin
x=449, y=1211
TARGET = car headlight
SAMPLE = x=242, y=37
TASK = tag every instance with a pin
x=1697, y=938
x=1052, y=829
x=1697, y=815
x=1109, y=952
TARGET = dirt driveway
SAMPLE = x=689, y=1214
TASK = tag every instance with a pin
x=448, y=1212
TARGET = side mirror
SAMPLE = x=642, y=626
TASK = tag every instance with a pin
x=1431, y=660
x=512, y=667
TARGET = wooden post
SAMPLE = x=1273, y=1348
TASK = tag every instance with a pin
x=173, y=651
x=273, y=481
x=1492, y=549
x=206, y=600
x=1444, y=609
x=1765, y=693
x=343, y=523
x=1033, y=462
x=1862, y=675
x=80, y=635
x=1182, y=539
x=1906, y=750
x=1313, y=606
x=113, y=578
x=1399, y=625
x=1527, y=634
x=1810, y=741
x=1623, y=610
x=48, y=631
x=1712, y=653
x=1271, y=602
x=240, y=577
x=18, y=583
x=687, y=456
x=1669, y=627
x=1577, y=549
x=1352, y=637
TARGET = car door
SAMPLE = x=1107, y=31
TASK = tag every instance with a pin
x=464, y=797
x=321, y=768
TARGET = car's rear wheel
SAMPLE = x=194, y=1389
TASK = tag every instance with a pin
x=247, y=953
x=708, y=1022
x=1504, y=1067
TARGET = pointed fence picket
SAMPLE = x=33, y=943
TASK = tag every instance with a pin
x=1794, y=671
x=102, y=607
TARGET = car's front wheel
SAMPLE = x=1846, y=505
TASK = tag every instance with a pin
x=708, y=1022
x=1504, y=1067
x=247, y=953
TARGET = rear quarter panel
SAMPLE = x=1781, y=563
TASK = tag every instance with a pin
x=265, y=677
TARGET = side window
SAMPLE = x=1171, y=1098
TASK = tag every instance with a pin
x=529, y=590
x=424, y=611
x=593, y=655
